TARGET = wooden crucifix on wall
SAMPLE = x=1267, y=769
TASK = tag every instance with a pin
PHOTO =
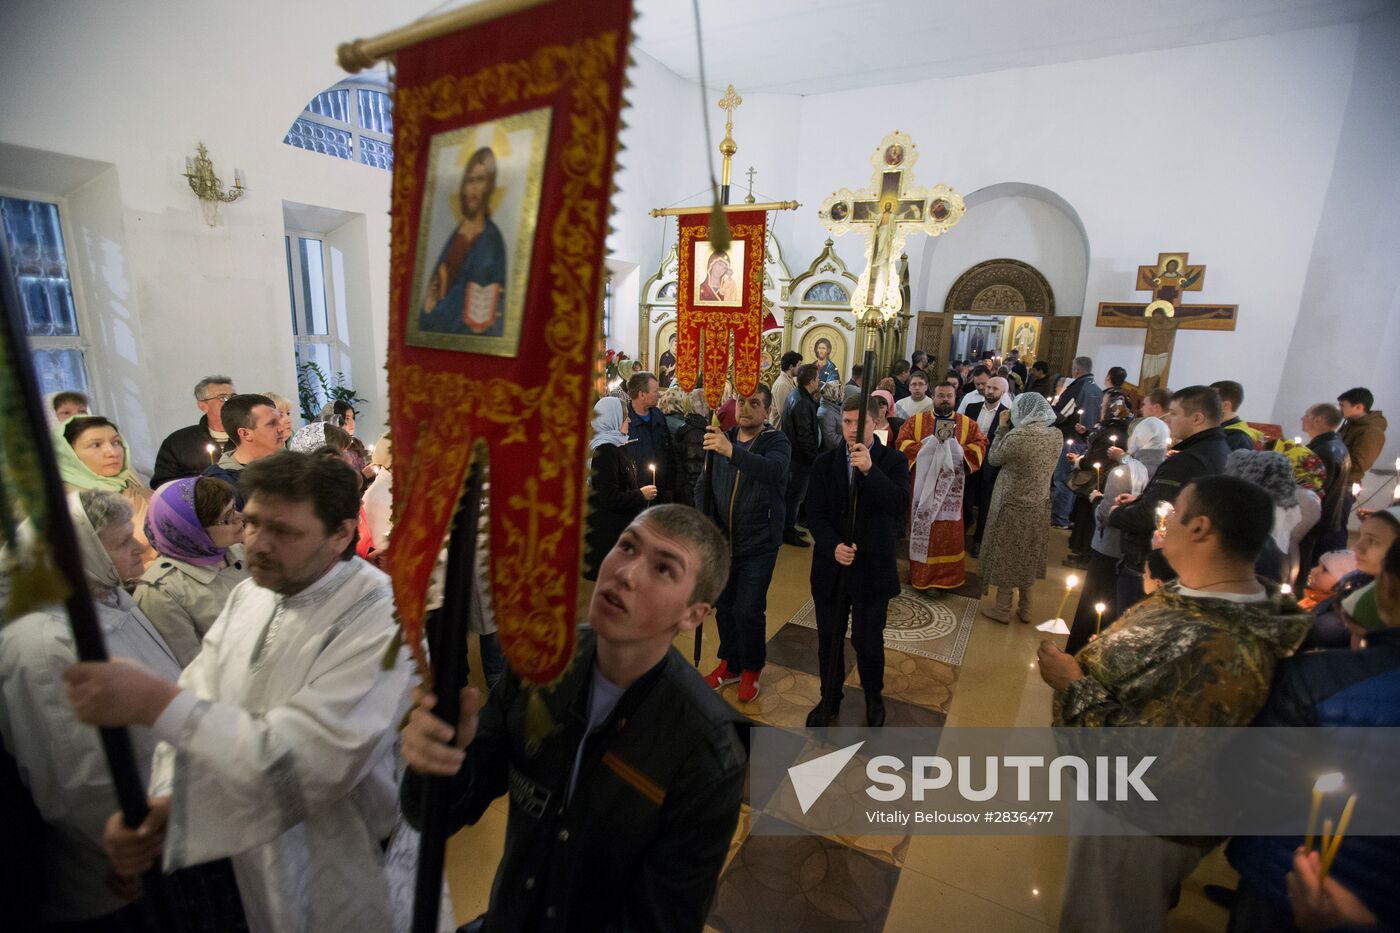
x=1167, y=280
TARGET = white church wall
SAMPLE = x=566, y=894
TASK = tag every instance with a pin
x=1222, y=150
x=134, y=87
x=1006, y=227
x=1348, y=328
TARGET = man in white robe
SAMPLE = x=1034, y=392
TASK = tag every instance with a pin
x=278, y=743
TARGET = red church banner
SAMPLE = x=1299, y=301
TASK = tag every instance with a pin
x=718, y=293
x=504, y=142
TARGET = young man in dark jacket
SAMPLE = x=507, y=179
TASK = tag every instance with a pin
x=1199, y=450
x=622, y=813
x=654, y=445
x=750, y=465
x=1075, y=422
x=803, y=427
x=1333, y=689
x=853, y=570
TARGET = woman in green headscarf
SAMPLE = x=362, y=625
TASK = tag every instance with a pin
x=92, y=455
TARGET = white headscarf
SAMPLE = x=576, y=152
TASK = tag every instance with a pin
x=101, y=573
x=1030, y=408
x=608, y=416
x=1149, y=434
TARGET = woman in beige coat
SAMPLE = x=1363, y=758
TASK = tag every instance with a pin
x=1018, y=522
x=198, y=539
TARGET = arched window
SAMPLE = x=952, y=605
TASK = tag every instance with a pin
x=353, y=120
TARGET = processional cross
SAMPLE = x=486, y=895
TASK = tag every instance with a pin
x=1165, y=314
x=887, y=212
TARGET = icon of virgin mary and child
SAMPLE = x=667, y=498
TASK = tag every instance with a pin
x=465, y=292
x=719, y=286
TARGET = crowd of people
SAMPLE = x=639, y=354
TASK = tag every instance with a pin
x=241, y=594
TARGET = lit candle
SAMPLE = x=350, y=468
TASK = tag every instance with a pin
x=1163, y=510
x=1330, y=851
x=1297, y=440
x=653, y=474
x=1098, y=473
x=1325, y=784
x=1356, y=490
x=1070, y=583
x=1099, y=608
x=209, y=449
x=1285, y=589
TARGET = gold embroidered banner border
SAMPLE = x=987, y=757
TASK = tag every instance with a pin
x=531, y=410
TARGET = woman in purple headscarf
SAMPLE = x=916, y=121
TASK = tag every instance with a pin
x=198, y=538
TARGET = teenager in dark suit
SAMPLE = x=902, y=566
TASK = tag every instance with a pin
x=855, y=577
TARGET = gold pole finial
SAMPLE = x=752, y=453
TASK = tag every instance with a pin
x=727, y=147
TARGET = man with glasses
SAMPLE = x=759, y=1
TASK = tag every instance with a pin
x=190, y=450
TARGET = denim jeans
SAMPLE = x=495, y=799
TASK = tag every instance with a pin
x=796, y=491
x=741, y=612
x=1062, y=497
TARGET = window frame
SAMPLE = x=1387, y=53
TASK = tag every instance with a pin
x=83, y=341
x=352, y=86
x=297, y=295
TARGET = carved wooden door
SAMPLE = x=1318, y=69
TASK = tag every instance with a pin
x=1059, y=340
x=934, y=337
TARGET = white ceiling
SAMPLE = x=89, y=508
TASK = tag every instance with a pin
x=820, y=46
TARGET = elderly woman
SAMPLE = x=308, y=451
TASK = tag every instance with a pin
x=199, y=539
x=93, y=455
x=60, y=761
x=1273, y=472
x=1147, y=446
x=615, y=497
x=1018, y=521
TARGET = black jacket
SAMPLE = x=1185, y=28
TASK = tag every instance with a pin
x=882, y=506
x=186, y=453
x=1201, y=454
x=614, y=499
x=1333, y=454
x=803, y=428
x=979, y=484
x=654, y=445
x=690, y=453
x=1342, y=689
x=641, y=841
x=748, y=492
x=1045, y=387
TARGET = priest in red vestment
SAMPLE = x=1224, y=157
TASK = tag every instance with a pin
x=943, y=447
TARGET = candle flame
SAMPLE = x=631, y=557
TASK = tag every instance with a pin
x=1355, y=490
x=1285, y=589
x=209, y=448
x=1100, y=607
x=1071, y=582
x=1097, y=465
x=1329, y=782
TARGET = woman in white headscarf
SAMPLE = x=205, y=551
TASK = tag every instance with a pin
x=1018, y=521
x=615, y=496
x=1148, y=443
x=60, y=760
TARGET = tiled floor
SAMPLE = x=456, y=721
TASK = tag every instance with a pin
x=891, y=883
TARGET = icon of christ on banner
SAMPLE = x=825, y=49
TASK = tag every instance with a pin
x=476, y=233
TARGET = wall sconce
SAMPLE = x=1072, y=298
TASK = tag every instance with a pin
x=206, y=186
